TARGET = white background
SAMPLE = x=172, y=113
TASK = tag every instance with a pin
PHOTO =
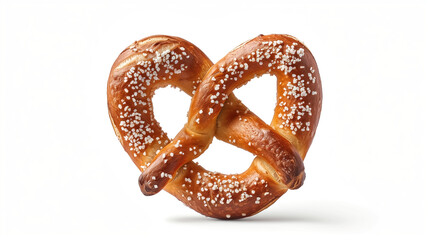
x=64, y=174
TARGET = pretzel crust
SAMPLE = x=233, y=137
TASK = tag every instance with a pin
x=280, y=148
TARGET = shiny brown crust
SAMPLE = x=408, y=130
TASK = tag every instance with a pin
x=280, y=148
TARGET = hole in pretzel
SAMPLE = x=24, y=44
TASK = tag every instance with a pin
x=259, y=95
x=170, y=108
x=225, y=158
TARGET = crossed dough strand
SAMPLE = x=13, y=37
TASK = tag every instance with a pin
x=159, y=61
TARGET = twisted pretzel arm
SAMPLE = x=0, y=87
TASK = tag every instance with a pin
x=143, y=67
x=299, y=93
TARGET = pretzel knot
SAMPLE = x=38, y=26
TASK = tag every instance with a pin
x=280, y=147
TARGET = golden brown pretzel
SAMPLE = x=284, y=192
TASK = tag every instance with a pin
x=162, y=60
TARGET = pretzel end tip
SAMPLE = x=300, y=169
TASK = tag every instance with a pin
x=297, y=182
x=149, y=187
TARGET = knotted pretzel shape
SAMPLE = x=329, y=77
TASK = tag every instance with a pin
x=159, y=61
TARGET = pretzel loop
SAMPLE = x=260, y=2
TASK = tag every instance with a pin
x=280, y=148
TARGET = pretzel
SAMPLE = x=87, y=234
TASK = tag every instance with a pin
x=280, y=148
